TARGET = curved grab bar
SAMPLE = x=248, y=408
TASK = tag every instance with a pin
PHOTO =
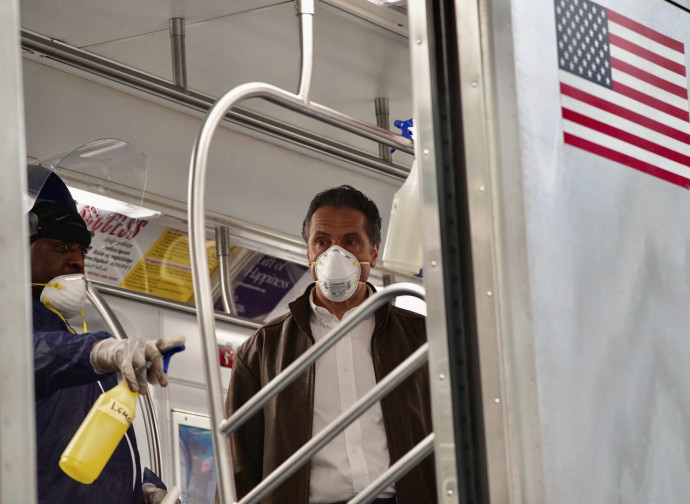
x=197, y=220
x=150, y=420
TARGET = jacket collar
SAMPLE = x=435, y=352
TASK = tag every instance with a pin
x=301, y=309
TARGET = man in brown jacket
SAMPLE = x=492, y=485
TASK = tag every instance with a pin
x=343, y=232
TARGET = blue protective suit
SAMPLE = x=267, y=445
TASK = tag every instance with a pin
x=66, y=388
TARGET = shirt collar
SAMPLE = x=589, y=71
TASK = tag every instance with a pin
x=324, y=318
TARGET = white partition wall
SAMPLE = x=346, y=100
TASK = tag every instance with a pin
x=592, y=196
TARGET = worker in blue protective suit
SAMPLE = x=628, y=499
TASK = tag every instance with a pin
x=72, y=370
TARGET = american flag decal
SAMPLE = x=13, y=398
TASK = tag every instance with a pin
x=624, y=90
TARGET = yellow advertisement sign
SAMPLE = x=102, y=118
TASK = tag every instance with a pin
x=142, y=255
x=165, y=269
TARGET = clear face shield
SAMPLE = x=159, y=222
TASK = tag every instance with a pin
x=107, y=180
x=104, y=181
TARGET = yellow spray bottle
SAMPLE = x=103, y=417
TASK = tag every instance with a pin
x=99, y=434
x=102, y=430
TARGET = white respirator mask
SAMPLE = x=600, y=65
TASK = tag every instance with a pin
x=65, y=295
x=337, y=272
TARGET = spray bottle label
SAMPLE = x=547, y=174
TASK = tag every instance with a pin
x=118, y=411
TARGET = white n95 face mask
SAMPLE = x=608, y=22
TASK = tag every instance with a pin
x=337, y=272
x=65, y=294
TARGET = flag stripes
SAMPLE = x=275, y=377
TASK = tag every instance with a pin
x=624, y=93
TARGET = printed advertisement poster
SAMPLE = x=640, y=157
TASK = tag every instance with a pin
x=265, y=285
x=141, y=255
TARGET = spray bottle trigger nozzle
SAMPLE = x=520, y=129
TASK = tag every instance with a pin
x=404, y=127
x=168, y=354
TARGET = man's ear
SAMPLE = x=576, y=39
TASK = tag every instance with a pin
x=374, y=256
x=311, y=268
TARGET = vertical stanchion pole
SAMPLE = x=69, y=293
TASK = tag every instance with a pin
x=17, y=420
x=382, y=121
x=223, y=254
x=179, y=58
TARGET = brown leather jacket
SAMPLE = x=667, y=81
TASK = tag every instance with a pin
x=285, y=424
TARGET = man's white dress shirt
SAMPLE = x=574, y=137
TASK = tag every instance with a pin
x=359, y=454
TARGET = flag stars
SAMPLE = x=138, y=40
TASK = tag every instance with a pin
x=582, y=40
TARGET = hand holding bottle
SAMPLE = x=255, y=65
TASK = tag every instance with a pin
x=140, y=361
x=154, y=495
x=114, y=410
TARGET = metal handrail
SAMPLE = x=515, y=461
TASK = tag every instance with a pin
x=149, y=413
x=413, y=457
x=297, y=459
x=300, y=365
x=197, y=221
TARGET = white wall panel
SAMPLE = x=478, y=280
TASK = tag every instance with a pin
x=608, y=252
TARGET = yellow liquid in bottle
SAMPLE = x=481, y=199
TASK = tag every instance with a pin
x=99, y=434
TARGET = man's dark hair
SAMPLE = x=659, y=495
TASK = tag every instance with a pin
x=348, y=197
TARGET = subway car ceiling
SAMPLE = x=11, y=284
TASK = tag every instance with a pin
x=259, y=181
